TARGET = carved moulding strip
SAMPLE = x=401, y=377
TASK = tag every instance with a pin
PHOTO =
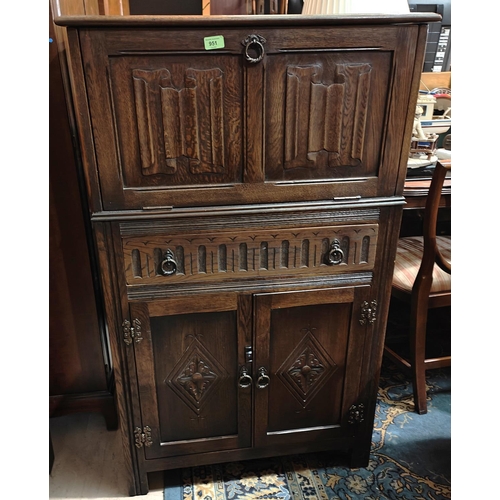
x=283, y=218
x=265, y=252
x=180, y=128
x=154, y=292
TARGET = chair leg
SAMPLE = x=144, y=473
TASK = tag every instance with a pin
x=418, y=331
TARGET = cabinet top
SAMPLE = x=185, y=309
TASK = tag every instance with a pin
x=248, y=20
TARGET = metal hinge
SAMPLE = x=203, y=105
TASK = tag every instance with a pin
x=132, y=332
x=143, y=436
x=356, y=414
x=368, y=312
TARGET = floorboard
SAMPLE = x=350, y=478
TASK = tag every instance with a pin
x=88, y=461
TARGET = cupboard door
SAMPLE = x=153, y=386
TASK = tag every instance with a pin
x=175, y=125
x=188, y=365
x=344, y=94
x=309, y=349
x=167, y=115
x=337, y=102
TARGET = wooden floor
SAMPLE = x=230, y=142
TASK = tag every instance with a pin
x=88, y=461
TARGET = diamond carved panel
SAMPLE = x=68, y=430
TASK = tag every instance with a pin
x=307, y=369
x=195, y=376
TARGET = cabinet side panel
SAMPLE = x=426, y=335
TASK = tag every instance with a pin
x=83, y=121
x=112, y=305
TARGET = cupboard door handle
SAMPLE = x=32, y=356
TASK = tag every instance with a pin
x=254, y=48
x=335, y=255
x=245, y=379
x=263, y=380
x=168, y=265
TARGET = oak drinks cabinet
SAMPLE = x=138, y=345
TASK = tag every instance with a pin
x=245, y=178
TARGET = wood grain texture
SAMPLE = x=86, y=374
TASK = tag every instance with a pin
x=187, y=368
x=419, y=53
x=332, y=93
x=268, y=20
x=122, y=362
x=220, y=129
x=76, y=7
x=245, y=254
x=82, y=118
x=223, y=187
x=182, y=125
x=116, y=7
x=302, y=342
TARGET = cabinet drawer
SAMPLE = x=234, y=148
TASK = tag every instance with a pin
x=248, y=253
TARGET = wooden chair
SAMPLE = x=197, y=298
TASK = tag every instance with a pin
x=422, y=278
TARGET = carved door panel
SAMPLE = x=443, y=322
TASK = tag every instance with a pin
x=325, y=122
x=179, y=119
x=171, y=118
x=188, y=363
x=309, y=354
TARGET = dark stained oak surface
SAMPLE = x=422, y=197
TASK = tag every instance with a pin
x=243, y=20
x=176, y=125
x=246, y=203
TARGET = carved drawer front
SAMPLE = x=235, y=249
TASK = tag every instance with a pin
x=242, y=254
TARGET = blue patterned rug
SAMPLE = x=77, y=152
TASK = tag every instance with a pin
x=410, y=458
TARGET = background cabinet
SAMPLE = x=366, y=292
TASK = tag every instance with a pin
x=246, y=204
x=80, y=369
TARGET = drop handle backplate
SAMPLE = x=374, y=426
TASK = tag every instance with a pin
x=168, y=265
x=254, y=48
x=336, y=255
x=263, y=380
x=245, y=379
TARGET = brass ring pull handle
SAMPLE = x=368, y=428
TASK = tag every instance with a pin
x=254, y=48
x=245, y=379
x=263, y=380
x=335, y=255
x=168, y=265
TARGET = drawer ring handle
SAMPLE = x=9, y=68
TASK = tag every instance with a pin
x=336, y=254
x=263, y=380
x=168, y=265
x=256, y=44
x=245, y=379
